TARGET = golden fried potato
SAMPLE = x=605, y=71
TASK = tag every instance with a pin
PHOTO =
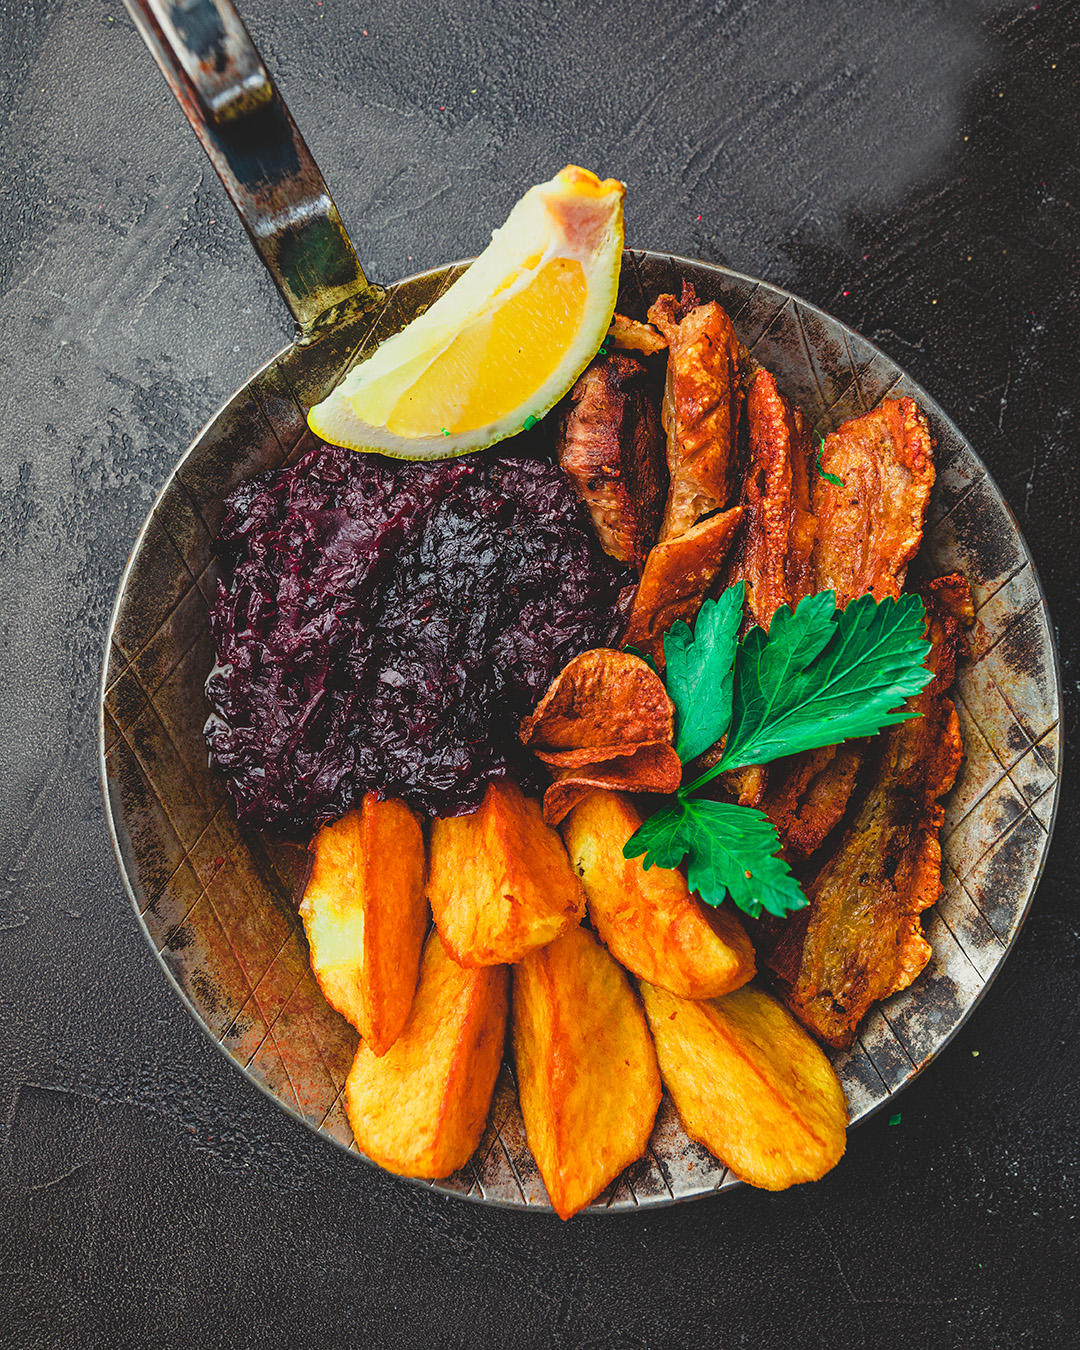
x=500, y=882
x=365, y=915
x=586, y=1068
x=749, y=1084
x=648, y=919
x=419, y=1110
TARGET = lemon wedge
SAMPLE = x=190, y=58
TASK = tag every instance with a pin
x=498, y=349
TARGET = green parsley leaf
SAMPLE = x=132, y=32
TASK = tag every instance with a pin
x=700, y=670
x=833, y=478
x=819, y=677
x=731, y=850
x=662, y=838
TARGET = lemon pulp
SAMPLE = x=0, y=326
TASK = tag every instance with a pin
x=516, y=345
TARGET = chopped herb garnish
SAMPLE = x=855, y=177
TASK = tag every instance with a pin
x=895, y=1120
x=445, y=432
x=529, y=423
x=832, y=478
x=818, y=677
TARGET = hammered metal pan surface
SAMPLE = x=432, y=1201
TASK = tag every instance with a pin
x=218, y=903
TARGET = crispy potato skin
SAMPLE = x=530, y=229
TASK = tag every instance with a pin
x=420, y=1109
x=602, y=703
x=651, y=768
x=749, y=1084
x=587, y=1076
x=648, y=919
x=365, y=915
x=500, y=882
x=605, y=721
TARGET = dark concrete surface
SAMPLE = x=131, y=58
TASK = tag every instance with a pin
x=912, y=168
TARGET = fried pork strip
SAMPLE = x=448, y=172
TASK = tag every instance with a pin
x=611, y=447
x=811, y=794
x=776, y=537
x=702, y=402
x=870, y=527
x=677, y=577
x=867, y=531
x=779, y=529
x=631, y=335
x=860, y=939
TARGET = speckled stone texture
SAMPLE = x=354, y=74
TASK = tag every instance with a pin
x=910, y=168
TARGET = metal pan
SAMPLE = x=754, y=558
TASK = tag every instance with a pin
x=218, y=903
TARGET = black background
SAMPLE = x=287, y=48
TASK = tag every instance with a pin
x=912, y=168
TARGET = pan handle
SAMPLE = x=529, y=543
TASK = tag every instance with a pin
x=227, y=95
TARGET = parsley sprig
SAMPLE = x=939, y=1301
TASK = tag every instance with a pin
x=818, y=677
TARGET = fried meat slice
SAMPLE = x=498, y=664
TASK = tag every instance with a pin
x=772, y=554
x=702, y=403
x=867, y=530
x=611, y=448
x=677, y=576
x=869, y=526
x=631, y=335
x=811, y=795
x=860, y=938
x=778, y=530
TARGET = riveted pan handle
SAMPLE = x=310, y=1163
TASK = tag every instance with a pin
x=227, y=95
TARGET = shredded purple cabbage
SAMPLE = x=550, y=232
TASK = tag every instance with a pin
x=384, y=626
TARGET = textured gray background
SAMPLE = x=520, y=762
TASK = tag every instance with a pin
x=911, y=168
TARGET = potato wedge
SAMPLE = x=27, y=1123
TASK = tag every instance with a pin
x=365, y=915
x=420, y=1109
x=587, y=1077
x=648, y=919
x=749, y=1084
x=500, y=882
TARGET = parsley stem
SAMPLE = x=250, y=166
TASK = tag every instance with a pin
x=706, y=777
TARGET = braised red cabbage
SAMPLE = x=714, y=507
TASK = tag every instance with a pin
x=384, y=626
